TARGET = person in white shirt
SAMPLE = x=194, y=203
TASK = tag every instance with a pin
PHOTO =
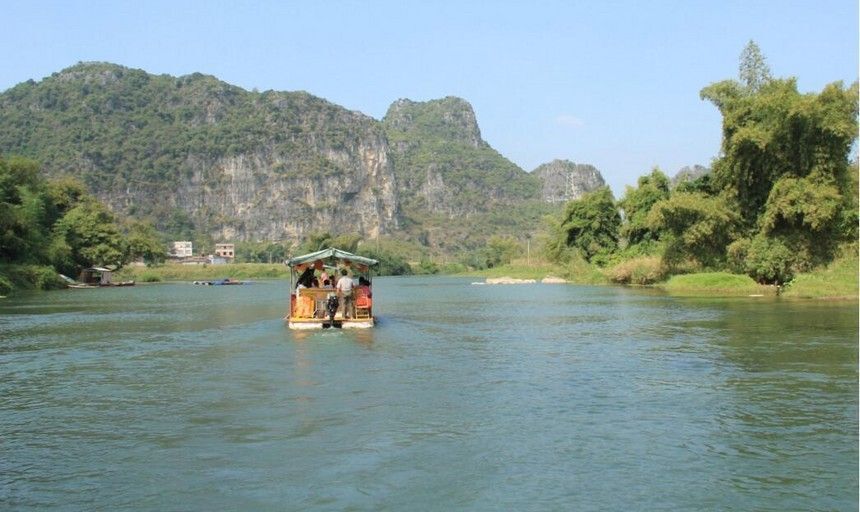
x=344, y=292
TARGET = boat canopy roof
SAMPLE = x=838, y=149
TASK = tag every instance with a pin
x=331, y=253
x=97, y=269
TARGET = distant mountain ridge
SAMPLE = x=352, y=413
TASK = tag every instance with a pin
x=199, y=155
x=565, y=181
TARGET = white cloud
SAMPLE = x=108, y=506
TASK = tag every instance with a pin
x=569, y=121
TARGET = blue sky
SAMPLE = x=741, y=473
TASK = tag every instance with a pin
x=611, y=83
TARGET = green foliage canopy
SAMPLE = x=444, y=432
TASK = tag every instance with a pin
x=57, y=223
x=590, y=225
x=696, y=227
x=636, y=204
x=777, y=132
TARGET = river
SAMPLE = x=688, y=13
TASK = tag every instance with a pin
x=464, y=397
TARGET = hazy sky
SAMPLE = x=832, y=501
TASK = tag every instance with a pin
x=611, y=83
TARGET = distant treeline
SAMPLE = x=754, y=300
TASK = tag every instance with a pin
x=51, y=226
x=781, y=198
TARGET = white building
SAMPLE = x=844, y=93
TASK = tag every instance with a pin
x=182, y=249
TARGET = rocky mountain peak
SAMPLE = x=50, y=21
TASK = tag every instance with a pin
x=689, y=173
x=449, y=118
x=565, y=181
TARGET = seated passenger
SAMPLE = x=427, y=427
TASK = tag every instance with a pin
x=363, y=294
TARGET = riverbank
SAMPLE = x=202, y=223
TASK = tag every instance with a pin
x=177, y=272
x=838, y=281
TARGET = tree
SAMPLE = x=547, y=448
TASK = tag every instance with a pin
x=754, y=71
x=636, y=204
x=87, y=235
x=23, y=219
x=142, y=241
x=779, y=132
x=785, y=164
x=590, y=225
x=500, y=250
x=696, y=227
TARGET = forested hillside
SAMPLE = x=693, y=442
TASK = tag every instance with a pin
x=199, y=156
x=208, y=161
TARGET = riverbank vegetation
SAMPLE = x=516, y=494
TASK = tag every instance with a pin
x=50, y=227
x=778, y=211
x=838, y=280
x=780, y=202
x=204, y=272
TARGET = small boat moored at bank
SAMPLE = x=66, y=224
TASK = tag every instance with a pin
x=95, y=277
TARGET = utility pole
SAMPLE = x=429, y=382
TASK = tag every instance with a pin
x=528, y=250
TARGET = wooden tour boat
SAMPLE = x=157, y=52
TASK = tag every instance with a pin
x=314, y=307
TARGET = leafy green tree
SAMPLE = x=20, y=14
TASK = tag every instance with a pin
x=390, y=264
x=701, y=185
x=767, y=260
x=142, y=241
x=754, y=71
x=500, y=250
x=785, y=164
x=87, y=235
x=316, y=241
x=589, y=225
x=696, y=227
x=636, y=204
x=63, y=194
x=779, y=132
x=23, y=212
x=261, y=252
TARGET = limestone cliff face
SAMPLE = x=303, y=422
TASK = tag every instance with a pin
x=341, y=184
x=234, y=164
x=444, y=167
x=241, y=197
x=564, y=180
x=202, y=157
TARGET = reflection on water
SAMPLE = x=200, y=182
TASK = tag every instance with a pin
x=527, y=397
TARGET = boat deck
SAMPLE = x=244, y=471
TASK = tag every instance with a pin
x=308, y=312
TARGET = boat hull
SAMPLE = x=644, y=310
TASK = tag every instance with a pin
x=320, y=323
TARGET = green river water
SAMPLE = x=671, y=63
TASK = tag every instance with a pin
x=464, y=397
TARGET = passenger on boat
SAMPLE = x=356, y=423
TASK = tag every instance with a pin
x=363, y=301
x=363, y=294
x=322, y=300
x=344, y=291
x=304, y=304
x=306, y=278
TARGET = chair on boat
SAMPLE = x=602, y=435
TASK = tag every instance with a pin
x=363, y=303
x=305, y=307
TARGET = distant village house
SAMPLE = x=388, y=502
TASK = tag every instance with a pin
x=182, y=249
x=226, y=251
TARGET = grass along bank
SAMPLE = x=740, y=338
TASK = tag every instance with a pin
x=179, y=272
x=716, y=283
x=839, y=280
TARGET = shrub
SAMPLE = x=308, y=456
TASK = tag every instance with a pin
x=642, y=270
x=150, y=277
x=43, y=278
x=5, y=286
x=769, y=260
